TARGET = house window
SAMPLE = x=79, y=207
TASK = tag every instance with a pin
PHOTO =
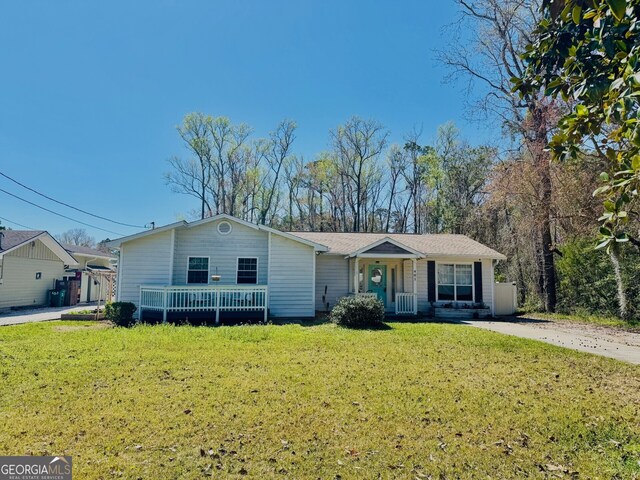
x=455, y=282
x=247, y=270
x=198, y=270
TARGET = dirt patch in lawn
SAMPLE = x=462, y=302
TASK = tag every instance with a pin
x=74, y=328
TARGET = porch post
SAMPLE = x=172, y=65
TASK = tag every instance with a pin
x=356, y=276
x=217, y=306
x=414, y=267
x=266, y=300
x=164, y=305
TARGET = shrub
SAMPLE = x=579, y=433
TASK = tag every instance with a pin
x=120, y=313
x=358, y=312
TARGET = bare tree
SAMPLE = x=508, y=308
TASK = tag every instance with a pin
x=358, y=144
x=192, y=176
x=76, y=236
x=276, y=151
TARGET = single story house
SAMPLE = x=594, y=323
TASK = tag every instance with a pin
x=30, y=263
x=224, y=264
x=95, y=271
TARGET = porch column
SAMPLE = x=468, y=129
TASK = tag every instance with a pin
x=164, y=306
x=356, y=275
x=414, y=267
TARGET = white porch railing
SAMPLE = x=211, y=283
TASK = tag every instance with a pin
x=201, y=298
x=406, y=304
x=367, y=294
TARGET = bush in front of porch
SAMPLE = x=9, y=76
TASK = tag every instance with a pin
x=358, y=312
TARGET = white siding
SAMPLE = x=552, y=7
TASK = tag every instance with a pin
x=291, y=282
x=487, y=281
x=332, y=277
x=223, y=251
x=19, y=286
x=421, y=282
x=145, y=261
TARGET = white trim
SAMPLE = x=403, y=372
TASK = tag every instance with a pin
x=223, y=216
x=455, y=292
x=186, y=279
x=493, y=289
x=119, y=274
x=386, y=255
x=173, y=252
x=91, y=256
x=52, y=244
x=224, y=222
x=268, y=263
x=360, y=251
x=317, y=246
x=119, y=241
x=257, y=270
x=313, y=280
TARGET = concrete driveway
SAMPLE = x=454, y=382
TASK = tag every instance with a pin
x=39, y=314
x=606, y=341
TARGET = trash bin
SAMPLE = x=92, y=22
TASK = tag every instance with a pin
x=49, y=298
x=57, y=298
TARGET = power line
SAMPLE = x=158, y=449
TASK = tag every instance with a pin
x=59, y=214
x=67, y=205
x=16, y=223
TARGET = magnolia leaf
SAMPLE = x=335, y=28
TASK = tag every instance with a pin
x=576, y=14
x=604, y=231
x=618, y=8
x=600, y=190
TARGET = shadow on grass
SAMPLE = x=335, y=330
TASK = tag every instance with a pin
x=380, y=327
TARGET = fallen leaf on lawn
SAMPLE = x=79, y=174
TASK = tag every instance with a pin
x=554, y=468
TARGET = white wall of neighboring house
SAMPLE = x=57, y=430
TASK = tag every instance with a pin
x=19, y=287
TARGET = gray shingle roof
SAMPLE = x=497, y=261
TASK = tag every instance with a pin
x=86, y=251
x=429, y=244
x=13, y=238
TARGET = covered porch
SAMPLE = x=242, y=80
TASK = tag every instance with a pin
x=203, y=298
x=387, y=270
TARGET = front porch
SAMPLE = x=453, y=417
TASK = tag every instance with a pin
x=203, y=298
x=387, y=270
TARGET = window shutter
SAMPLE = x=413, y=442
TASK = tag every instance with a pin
x=477, y=279
x=431, y=281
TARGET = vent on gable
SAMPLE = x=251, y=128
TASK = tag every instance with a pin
x=224, y=228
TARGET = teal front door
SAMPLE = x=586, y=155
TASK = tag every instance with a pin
x=377, y=281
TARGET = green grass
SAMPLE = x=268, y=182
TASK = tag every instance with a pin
x=629, y=325
x=296, y=401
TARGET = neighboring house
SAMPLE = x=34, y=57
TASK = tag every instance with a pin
x=226, y=264
x=30, y=263
x=95, y=271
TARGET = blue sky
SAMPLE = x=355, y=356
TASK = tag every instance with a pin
x=91, y=92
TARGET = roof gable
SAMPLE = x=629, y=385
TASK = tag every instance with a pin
x=223, y=216
x=387, y=247
x=14, y=239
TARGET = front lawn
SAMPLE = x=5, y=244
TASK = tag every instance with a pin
x=293, y=401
